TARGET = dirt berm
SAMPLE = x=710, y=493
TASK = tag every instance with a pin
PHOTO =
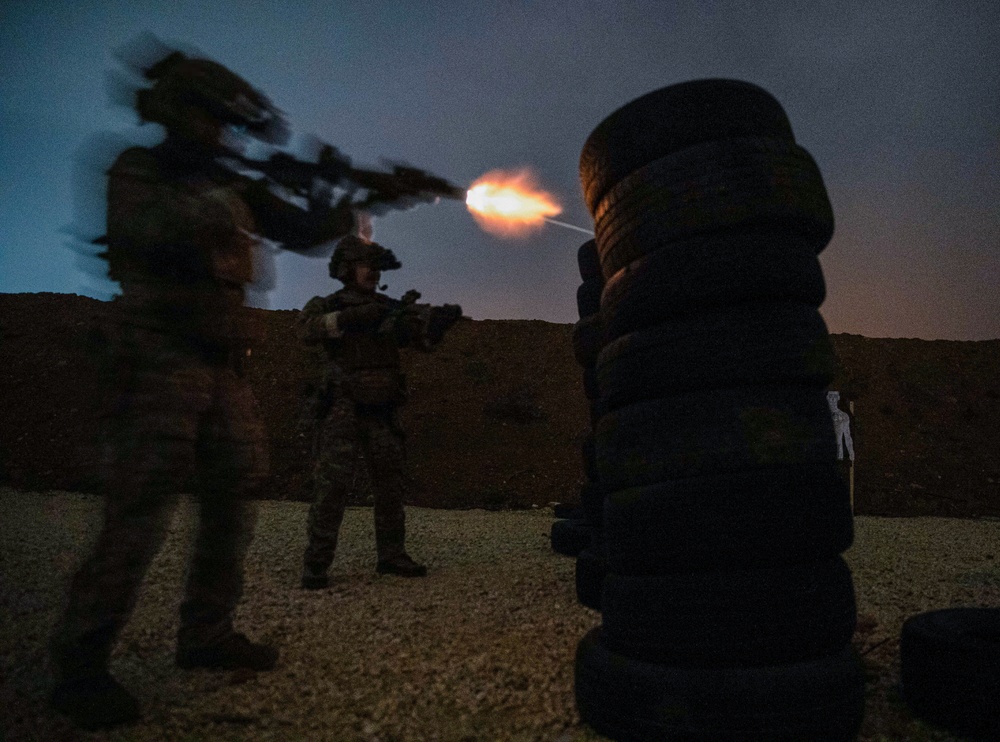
x=497, y=413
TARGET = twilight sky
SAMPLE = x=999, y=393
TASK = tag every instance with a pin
x=898, y=101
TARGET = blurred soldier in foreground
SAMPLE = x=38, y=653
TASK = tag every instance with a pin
x=357, y=407
x=181, y=242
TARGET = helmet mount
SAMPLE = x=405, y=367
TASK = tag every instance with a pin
x=352, y=250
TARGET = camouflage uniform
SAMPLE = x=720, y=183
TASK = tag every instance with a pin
x=356, y=409
x=180, y=412
x=362, y=388
x=179, y=407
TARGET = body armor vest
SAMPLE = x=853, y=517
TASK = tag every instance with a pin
x=181, y=246
x=370, y=360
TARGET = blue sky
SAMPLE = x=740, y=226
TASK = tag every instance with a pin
x=896, y=101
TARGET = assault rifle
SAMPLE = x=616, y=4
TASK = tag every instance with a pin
x=402, y=187
x=423, y=324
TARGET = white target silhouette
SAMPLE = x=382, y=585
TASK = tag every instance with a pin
x=841, y=426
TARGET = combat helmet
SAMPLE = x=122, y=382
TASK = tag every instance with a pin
x=353, y=249
x=197, y=98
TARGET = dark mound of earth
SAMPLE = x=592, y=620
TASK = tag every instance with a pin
x=497, y=413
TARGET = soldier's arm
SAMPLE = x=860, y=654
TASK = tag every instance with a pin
x=330, y=319
x=313, y=324
x=297, y=229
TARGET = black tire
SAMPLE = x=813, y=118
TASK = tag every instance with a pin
x=587, y=340
x=769, y=616
x=588, y=297
x=563, y=510
x=592, y=502
x=745, y=520
x=782, y=343
x=625, y=699
x=671, y=119
x=590, y=571
x=950, y=669
x=596, y=408
x=707, y=273
x=588, y=452
x=739, y=186
x=571, y=536
x=713, y=432
x=588, y=262
x=590, y=389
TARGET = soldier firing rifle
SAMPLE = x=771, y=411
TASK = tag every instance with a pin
x=357, y=409
x=182, y=228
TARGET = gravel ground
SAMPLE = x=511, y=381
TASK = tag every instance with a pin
x=481, y=649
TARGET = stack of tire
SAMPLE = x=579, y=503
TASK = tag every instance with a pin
x=727, y=608
x=950, y=669
x=588, y=338
x=575, y=532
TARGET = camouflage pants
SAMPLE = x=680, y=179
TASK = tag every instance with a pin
x=345, y=431
x=176, y=419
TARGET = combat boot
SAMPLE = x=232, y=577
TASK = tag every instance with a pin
x=95, y=701
x=401, y=565
x=314, y=578
x=230, y=653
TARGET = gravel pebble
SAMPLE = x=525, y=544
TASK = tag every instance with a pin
x=481, y=649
